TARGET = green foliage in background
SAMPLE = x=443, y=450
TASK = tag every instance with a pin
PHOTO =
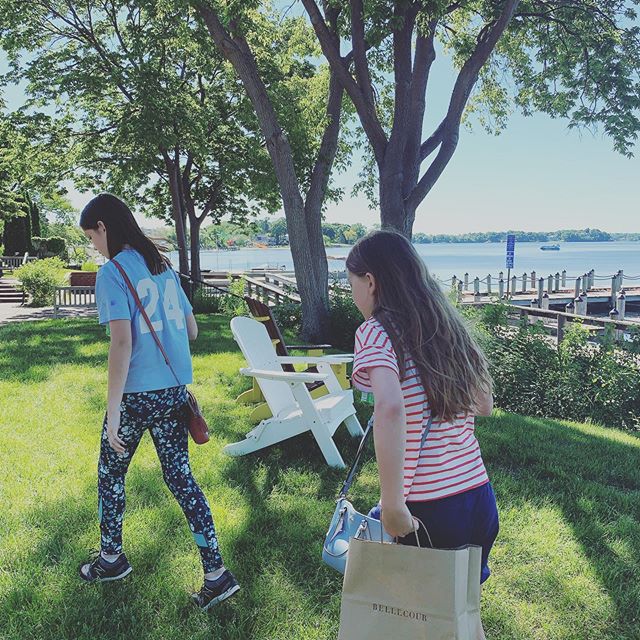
x=40, y=278
x=579, y=380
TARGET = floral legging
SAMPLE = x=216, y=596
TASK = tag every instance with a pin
x=163, y=413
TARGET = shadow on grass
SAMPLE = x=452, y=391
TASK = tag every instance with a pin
x=286, y=494
x=30, y=350
x=595, y=483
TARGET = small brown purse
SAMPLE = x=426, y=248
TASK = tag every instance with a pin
x=197, y=424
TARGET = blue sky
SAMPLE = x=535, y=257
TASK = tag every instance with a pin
x=536, y=175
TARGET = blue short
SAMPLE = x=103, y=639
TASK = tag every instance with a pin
x=466, y=518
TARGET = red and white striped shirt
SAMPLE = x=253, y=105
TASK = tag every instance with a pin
x=450, y=461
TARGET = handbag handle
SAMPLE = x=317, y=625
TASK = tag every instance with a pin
x=354, y=466
x=143, y=312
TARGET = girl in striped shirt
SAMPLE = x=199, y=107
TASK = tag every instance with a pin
x=415, y=355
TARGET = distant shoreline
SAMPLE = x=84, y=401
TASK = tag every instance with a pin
x=347, y=246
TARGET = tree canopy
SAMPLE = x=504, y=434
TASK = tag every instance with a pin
x=574, y=59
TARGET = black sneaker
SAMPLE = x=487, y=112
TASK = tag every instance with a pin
x=99, y=570
x=215, y=591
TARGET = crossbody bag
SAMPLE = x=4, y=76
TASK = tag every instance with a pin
x=347, y=523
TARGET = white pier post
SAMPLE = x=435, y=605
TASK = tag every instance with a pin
x=614, y=290
x=545, y=301
x=540, y=292
x=621, y=303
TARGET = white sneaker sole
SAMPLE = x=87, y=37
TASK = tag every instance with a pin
x=227, y=594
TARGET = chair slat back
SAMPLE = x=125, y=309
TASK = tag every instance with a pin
x=256, y=346
x=262, y=312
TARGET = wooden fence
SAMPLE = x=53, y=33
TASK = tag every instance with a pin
x=74, y=297
x=13, y=262
x=556, y=322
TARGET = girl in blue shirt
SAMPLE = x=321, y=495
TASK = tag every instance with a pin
x=143, y=392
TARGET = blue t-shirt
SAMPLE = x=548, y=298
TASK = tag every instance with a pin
x=166, y=305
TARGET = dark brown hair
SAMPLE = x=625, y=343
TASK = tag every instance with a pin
x=422, y=323
x=122, y=229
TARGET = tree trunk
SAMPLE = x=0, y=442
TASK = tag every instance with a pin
x=309, y=258
x=177, y=211
x=395, y=212
x=309, y=265
x=194, y=239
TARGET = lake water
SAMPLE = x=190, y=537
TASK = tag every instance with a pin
x=478, y=259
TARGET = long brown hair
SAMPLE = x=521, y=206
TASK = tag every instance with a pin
x=422, y=323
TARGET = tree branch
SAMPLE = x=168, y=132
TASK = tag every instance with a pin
x=360, y=65
x=487, y=40
x=321, y=171
x=424, y=57
x=331, y=50
x=395, y=153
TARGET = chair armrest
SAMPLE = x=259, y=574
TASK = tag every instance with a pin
x=284, y=376
x=328, y=359
x=309, y=347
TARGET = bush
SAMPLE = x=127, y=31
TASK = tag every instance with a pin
x=344, y=318
x=54, y=245
x=89, y=266
x=57, y=246
x=288, y=316
x=233, y=304
x=40, y=278
x=580, y=380
x=39, y=245
x=204, y=302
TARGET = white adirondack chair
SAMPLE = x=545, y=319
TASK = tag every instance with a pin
x=293, y=409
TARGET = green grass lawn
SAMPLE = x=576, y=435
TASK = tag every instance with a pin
x=566, y=563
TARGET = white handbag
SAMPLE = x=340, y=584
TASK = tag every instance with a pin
x=347, y=523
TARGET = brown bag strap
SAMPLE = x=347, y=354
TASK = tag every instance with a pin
x=142, y=310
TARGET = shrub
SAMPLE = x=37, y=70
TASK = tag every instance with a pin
x=54, y=245
x=232, y=304
x=288, y=316
x=57, y=246
x=40, y=278
x=344, y=318
x=204, y=302
x=89, y=266
x=39, y=245
x=580, y=380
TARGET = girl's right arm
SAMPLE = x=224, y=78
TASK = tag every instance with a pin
x=389, y=435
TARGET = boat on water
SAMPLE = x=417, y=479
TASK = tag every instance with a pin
x=550, y=247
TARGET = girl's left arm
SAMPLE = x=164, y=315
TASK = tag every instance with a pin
x=119, y=360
